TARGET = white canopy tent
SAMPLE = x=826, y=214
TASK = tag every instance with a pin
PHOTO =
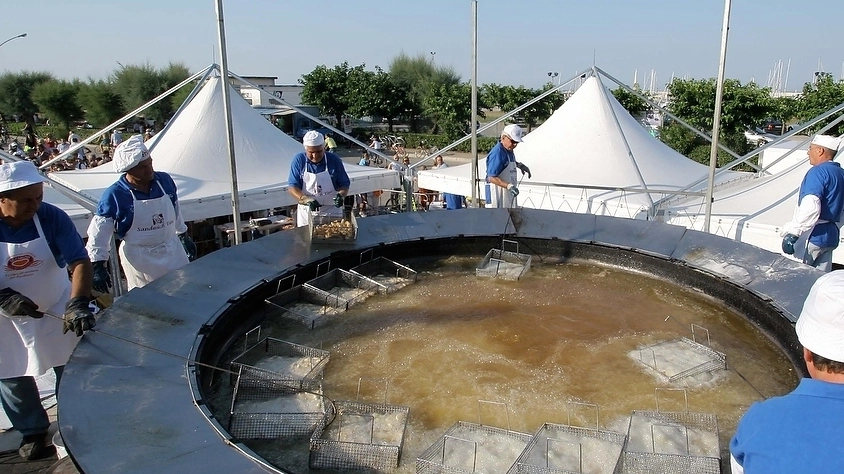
x=192, y=149
x=590, y=156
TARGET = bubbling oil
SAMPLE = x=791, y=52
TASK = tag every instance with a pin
x=561, y=334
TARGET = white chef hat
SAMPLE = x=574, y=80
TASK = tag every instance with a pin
x=820, y=327
x=313, y=138
x=18, y=174
x=827, y=141
x=129, y=153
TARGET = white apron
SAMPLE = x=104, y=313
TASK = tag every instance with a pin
x=30, y=346
x=320, y=187
x=496, y=196
x=151, y=247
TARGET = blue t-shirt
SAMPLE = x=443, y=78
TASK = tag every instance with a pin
x=498, y=159
x=335, y=169
x=826, y=181
x=117, y=203
x=799, y=432
x=61, y=234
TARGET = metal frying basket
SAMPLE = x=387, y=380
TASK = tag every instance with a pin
x=568, y=449
x=693, y=357
x=299, y=367
x=504, y=264
x=695, y=450
x=344, y=285
x=379, y=447
x=389, y=275
x=307, y=304
x=262, y=409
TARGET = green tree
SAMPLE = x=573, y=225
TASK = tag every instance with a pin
x=743, y=106
x=16, y=93
x=102, y=104
x=421, y=78
x=509, y=97
x=449, y=106
x=138, y=84
x=59, y=100
x=631, y=102
x=819, y=97
x=328, y=88
x=376, y=94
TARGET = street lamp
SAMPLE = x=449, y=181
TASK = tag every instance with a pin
x=553, y=76
x=433, y=53
x=22, y=35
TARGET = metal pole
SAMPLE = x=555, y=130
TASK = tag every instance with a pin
x=716, y=121
x=22, y=35
x=224, y=65
x=475, y=199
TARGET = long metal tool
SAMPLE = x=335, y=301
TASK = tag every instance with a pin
x=149, y=348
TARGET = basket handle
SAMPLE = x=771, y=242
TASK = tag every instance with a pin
x=455, y=438
x=362, y=254
x=708, y=341
x=386, y=387
x=327, y=264
x=502, y=404
x=248, y=334
x=583, y=404
x=508, y=241
x=282, y=280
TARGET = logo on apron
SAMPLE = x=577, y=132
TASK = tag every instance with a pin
x=22, y=262
x=157, y=219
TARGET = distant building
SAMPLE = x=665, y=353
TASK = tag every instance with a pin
x=292, y=93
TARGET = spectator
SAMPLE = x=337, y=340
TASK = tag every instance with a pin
x=116, y=138
x=330, y=144
x=801, y=431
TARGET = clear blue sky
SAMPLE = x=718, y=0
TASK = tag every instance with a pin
x=519, y=41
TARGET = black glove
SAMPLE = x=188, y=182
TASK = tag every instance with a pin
x=78, y=316
x=513, y=190
x=189, y=246
x=102, y=279
x=338, y=200
x=788, y=243
x=523, y=167
x=15, y=304
x=312, y=203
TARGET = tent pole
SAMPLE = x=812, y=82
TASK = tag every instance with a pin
x=473, y=128
x=221, y=33
x=716, y=120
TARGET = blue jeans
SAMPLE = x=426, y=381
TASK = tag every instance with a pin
x=22, y=403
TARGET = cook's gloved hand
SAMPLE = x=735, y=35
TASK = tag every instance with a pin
x=13, y=303
x=788, y=243
x=523, y=167
x=338, y=200
x=78, y=316
x=513, y=189
x=312, y=203
x=189, y=245
x=101, y=281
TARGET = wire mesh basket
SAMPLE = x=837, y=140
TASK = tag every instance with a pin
x=280, y=362
x=672, y=442
x=263, y=409
x=344, y=285
x=362, y=436
x=504, y=264
x=391, y=276
x=307, y=304
x=566, y=449
x=680, y=358
x=471, y=447
x=334, y=230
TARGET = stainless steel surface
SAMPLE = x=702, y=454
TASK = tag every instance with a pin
x=127, y=409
